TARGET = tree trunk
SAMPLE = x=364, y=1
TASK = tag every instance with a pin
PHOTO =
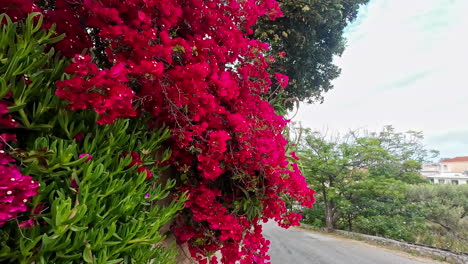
x=329, y=217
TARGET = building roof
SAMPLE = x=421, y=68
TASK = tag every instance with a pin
x=456, y=159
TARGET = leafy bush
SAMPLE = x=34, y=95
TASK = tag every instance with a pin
x=314, y=216
x=446, y=210
x=390, y=226
x=95, y=203
x=430, y=214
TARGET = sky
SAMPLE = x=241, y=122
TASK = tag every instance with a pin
x=405, y=65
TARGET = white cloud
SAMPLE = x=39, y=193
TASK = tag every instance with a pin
x=406, y=65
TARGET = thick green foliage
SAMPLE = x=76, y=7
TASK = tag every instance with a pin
x=361, y=179
x=370, y=184
x=378, y=207
x=315, y=216
x=23, y=59
x=446, y=209
x=99, y=210
x=311, y=34
x=375, y=207
x=106, y=217
x=391, y=226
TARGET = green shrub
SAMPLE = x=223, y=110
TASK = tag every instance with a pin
x=102, y=198
x=314, y=216
x=445, y=208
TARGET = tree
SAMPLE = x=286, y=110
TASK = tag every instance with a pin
x=377, y=206
x=406, y=154
x=342, y=169
x=304, y=42
x=332, y=165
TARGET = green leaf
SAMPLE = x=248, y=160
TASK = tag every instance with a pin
x=88, y=254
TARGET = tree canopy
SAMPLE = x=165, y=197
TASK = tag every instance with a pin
x=343, y=169
x=304, y=42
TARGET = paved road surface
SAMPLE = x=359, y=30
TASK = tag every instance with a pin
x=297, y=246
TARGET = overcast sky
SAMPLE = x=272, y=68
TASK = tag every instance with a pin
x=406, y=65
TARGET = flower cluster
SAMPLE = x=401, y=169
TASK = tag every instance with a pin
x=18, y=9
x=101, y=90
x=15, y=188
x=282, y=79
x=190, y=65
x=241, y=239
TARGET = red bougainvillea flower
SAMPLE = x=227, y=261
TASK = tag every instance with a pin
x=104, y=91
x=282, y=79
x=294, y=156
x=18, y=9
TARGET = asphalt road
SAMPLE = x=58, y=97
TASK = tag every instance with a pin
x=298, y=246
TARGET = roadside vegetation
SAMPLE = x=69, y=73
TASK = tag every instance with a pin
x=369, y=183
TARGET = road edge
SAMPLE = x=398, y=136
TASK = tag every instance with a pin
x=419, y=250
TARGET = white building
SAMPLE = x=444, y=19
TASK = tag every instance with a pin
x=450, y=171
x=448, y=178
x=430, y=169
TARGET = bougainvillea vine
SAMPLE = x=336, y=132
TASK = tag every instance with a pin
x=191, y=66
